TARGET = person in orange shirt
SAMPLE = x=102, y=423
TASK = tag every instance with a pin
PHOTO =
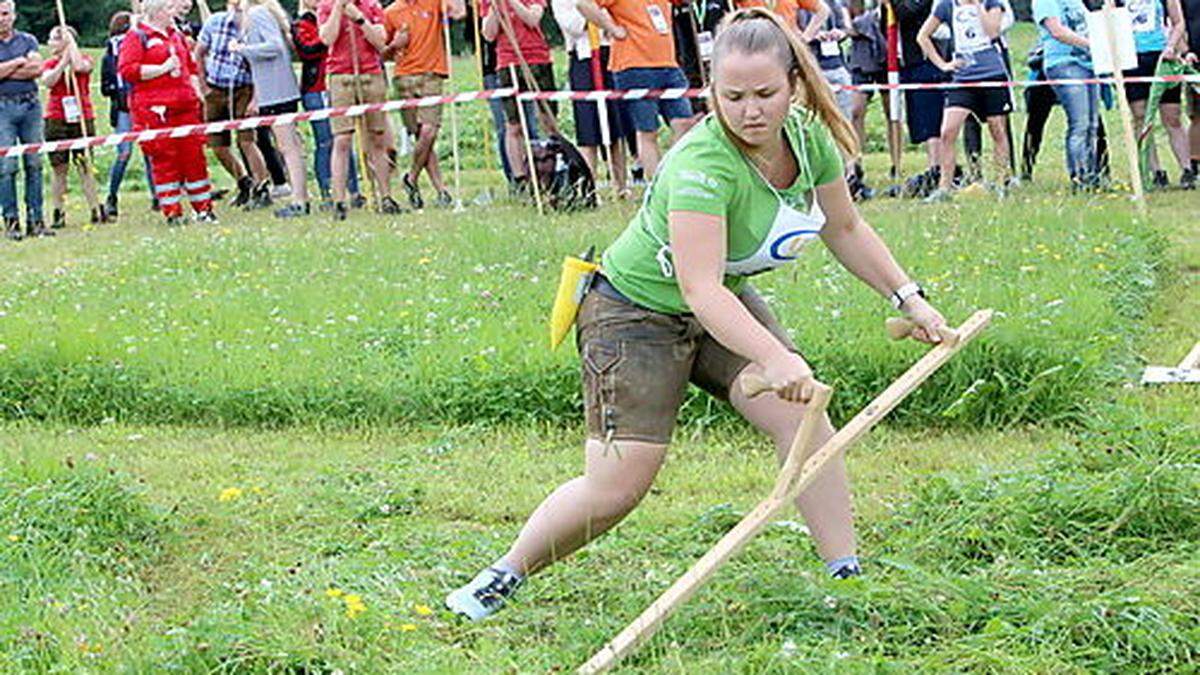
x=415, y=40
x=643, y=57
x=788, y=10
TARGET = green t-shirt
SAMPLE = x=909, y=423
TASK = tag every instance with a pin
x=705, y=172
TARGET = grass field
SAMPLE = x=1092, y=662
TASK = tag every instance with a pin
x=273, y=447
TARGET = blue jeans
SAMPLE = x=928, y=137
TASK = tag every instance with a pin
x=497, y=108
x=323, y=135
x=116, y=174
x=646, y=111
x=21, y=122
x=1082, y=104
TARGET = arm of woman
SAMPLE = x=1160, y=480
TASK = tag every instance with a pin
x=862, y=252
x=698, y=250
x=263, y=39
x=1063, y=34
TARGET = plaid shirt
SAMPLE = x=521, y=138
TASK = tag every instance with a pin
x=223, y=68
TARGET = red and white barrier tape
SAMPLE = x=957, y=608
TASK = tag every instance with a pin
x=464, y=97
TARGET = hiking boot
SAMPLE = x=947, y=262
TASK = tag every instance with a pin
x=58, y=219
x=1160, y=180
x=245, y=188
x=206, y=217
x=389, y=207
x=485, y=595
x=444, y=200
x=414, y=193
x=38, y=229
x=12, y=229
x=110, y=207
x=293, y=210
x=340, y=211
x=358, y=201
x=1187, y=179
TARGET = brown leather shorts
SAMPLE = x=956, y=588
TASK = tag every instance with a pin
x=637, y=364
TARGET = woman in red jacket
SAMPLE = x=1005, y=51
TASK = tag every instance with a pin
x=156, y=61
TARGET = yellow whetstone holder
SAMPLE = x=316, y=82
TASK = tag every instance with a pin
x=573, y=284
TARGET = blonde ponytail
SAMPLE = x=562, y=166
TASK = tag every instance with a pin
x=755, y=30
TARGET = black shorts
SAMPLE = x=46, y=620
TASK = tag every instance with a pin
x=543, y=76
x=984, y=102
x=280, y=108
x=860, y=78
x=923, y=107
x=587, y=116
x=1140, y=91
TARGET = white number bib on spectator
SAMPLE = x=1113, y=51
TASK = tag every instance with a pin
x=969, y=36
x=1144, y=15
x=830, y=48
x=71, y=111
x=657, y=19
x=705, y=41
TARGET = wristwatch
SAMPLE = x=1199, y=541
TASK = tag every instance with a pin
x=902, y=294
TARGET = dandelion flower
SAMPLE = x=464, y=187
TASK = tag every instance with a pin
x=424, y=261
x=334, y=592
x=13, y=537
x=229, y=494
x=408, y=627
x=423, y=610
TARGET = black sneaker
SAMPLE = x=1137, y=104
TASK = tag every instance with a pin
x=1187, y=180
x=206, y=217
x=260, y=197
x=58, y=219
x=485, y=595
x=340, y=211
x=245, y=189
x=293, y=210
x=444, y=200
x=174, y=221
x=389, y=207
x=358, y=201
x=414, y=193
x=110, y=207
x=1160, y=180
x=12, y=229
x=847, y=572
x=38, y=229
x=99, y=215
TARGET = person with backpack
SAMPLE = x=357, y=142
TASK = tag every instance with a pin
x=156, y=61
x=974, y=27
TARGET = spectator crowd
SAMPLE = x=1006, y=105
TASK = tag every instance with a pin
x=161, y=69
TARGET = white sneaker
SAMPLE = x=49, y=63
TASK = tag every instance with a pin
x=485, y=595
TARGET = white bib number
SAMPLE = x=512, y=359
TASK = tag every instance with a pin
x=1144, y=15
x=969, y=36
x=705, y=41
x=657, y=19
x=830, y=48
x=71, y=110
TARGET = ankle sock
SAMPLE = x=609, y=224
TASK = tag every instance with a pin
x=502, y=565
x=844, y=567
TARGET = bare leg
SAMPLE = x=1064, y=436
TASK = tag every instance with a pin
x=999, y=131
x=952, y=121
x=339, y=164
x=1138, y=108
x=254, y=159
x=614, y=480
x=426, y=137
x=292, y=149
x=225, y=156
x=589, y=153
x=58, y=187
x=825, y=505
x=617, y=153
x=514, y=145
x=377, y=155
x=648, y=152
x=1172, y=119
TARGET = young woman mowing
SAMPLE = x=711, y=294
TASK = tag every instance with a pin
x=734, y=198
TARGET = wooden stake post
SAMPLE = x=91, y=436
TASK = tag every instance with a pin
x=1131, y=148
x=789, y=484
